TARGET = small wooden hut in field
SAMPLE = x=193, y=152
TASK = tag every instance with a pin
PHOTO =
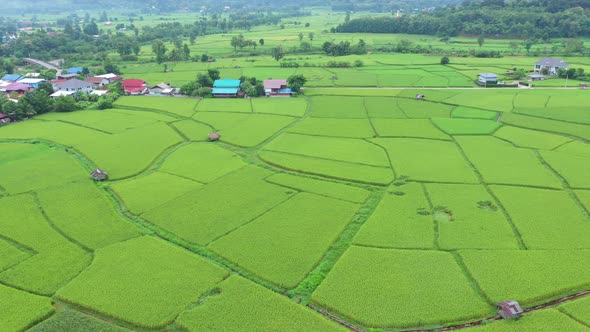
x=99, y=175
x=214, y=137
x=420, y=97
x=509, y=309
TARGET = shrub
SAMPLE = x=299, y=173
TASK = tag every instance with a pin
x=444, y=60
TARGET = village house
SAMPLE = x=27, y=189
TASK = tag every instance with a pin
x=74, y=85
x=551, y=65
x=277, y=88
x=75, y=70
x=97, y=82
x=4, y=119
x=111, y=77
x=66, y=76
x=135, y=87
x=18, y=88
x=162, y=89
x=12, y=78
x=488, y=78
x=226, y=88
x=32, y=82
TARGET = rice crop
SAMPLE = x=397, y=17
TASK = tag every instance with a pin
x=546, y=320
x=338, y=107
x=574, y=169
x=324, y=188
x=195, y=131
x=472, y=113
x=69, y=320
x=579, y=309
x=530, y=138
x=351, y=128
x=457, y=126
x=179, y=106
x=21, y=310
x=551, y=126
x=418, y=128
x=280, y=106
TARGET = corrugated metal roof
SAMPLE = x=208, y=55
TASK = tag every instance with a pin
x=225, y=91
x=488, y=75
x=551, y=62
x=226, y=83
x=274, y=84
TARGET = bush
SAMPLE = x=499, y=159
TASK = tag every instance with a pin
x=445, y=60
x=104, y=103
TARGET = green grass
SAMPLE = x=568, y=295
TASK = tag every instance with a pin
x=457, y=126
x=74, y=321
x=56, y=260
x=497, y=100
x=500, y=162
x=144, y=193
x=472, y=226
x=427, y=288
x=527, y=276
x=533, y=212
x=202, y=162
x=427, y=160
x=320, y=187
x=284, y=244
x=329, y=168
x=423, y=109
x=472, y=113
x=20, y=167
x=245, y=130
x=546, y=320
x=383, y=107
x=574, y=169
x=242, y=305
x=396, y=223
x=68, y=205
x=20, y=309
x=211, y=211
x=280, y=106
x=352, y=128
x=530, y=138
x=117, y=282
x=417, y=128
x=179, y=106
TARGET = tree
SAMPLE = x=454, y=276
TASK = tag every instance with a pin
x=296, y=82
x=36, y=102
x=278, y=53
x=204, y=80
x=305, y=47
x=520, y=73
x=445, y=60
x=91, y=28
x=47, y=86
x=204, y=58
x=261, y=41
x=159, y=49
x=213, y=74
x=300, y=36
x=311, y=35
x=110, y=67
x=347, y=18
x=64, y=104
x=480, y=40
x=528, y=44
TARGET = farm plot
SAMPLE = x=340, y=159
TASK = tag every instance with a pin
x=320, y=187
x=20, y=167
x=352, y=128
x=11, y=255
x=212, y=211
x=280, y=106
x=340, y=149
x=70, y=321
x=398, y=221
x=472, y=113
x=427, y=160
x=529, y=276
x=246, y=130
x=183, y=107
x=66, y=206
x=483, y=99
x=574, y=169
x=329, y=168
x=533, y=212
x=144, y=193
x=240, y=305
x=55, y=260
x=579, y=309
x=468, y=217
x=584, y=196
x=575, y=148
x=414, y=128
x=547, y=320
x=501, y=163
x=530, y=138
x=399, y=289
x=546, y=125
x=423, y=109
x=338, y=107
x=383, y=107
x=21, y=310
x=285, y=243
x=193, y=130
x=202, y=162
x=457, y=126
x=431, y=95
x=351, y=92
x=116, y=282
x=575, y=114
x=224, y=105
x=109, y=121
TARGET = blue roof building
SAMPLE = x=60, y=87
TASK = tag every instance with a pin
x=12, y=77
x=226, y=88
x=75, y=70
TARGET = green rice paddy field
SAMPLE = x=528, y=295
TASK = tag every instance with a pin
x=355, y=205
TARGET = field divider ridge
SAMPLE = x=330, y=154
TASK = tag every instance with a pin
x=436, y=224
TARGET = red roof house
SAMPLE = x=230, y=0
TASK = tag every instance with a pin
x=276, y=88
x=509, y=309
x=17, y=87
x=135, y=87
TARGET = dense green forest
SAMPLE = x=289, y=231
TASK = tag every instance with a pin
x=541, y=19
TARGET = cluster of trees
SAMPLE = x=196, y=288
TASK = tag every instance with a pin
x=180, y=52
x=241, y=42
x=542, y=19
x=202, y=85
x=344, y=48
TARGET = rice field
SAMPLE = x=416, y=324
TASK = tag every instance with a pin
x=377, y=209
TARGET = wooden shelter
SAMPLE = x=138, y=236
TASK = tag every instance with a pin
x=214, y=137
x=509, y=309
x=420, y=97
x=99, y=175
